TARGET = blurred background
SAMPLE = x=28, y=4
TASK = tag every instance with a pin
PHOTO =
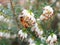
x=10, y=25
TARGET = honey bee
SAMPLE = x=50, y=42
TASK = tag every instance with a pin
x=23, y=22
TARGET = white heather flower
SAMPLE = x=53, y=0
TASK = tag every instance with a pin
x=49, y=38
x=42, y=17
x=58, y=15
x=1, y=17
x=6, y=35
x=38, y=19
x=30, y=40
x=47, y=13
x=51, y=44
x=47, y=9
x=3, y=11
x=32, y=44
x=27, y=13
x=41, y=32
x=13, y=36
x=32, y=1
x=34, y=28
x=25, y=35
x=52, y=1
x=58, y=4
x=1, y=34
x=43, y=38
x=37, y=31
x=22, y=34
x=0, y=4
x=52, y=38
x=6, y=20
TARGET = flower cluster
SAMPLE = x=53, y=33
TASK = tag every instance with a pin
x=47, y=13
x=27, y=18
x=37, y=31
x=58, y=4
x=31, y=41
x=7, y=35
x=1, y=17
x=22, y=35
x=51, y=39
x=3, y=34
x=6, y=20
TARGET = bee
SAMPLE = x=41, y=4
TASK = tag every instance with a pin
x=24, y=22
